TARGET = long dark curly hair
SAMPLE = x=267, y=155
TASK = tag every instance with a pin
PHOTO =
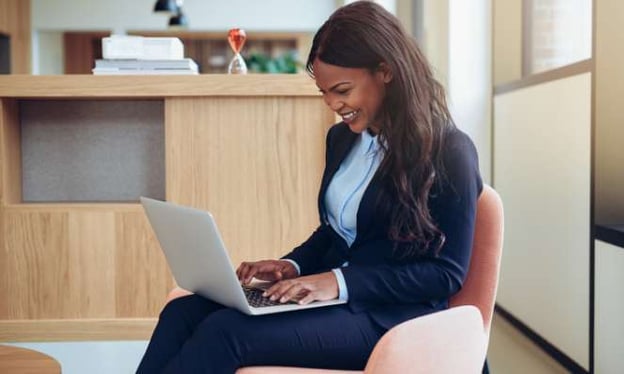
x=414, y=116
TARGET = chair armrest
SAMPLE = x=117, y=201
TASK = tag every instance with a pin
x=450, y=341
x=177, y=292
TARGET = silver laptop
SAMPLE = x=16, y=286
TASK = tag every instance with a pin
x=200, y=263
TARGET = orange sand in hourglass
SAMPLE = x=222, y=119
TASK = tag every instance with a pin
x=237, y=38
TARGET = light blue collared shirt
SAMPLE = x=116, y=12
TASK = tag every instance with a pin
x=347, y=187
x=345, y=192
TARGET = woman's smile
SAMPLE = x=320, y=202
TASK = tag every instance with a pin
x=349, y=117
x=355, y=94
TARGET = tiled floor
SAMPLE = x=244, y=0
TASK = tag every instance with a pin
x=93, y=357
x=512, y=353
x=509, y=353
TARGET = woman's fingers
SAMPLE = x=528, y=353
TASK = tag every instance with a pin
x=245, y=271
x=310, y=288
x=241, y=270
x=269, y=270
x=287, y=290
x=307, y=299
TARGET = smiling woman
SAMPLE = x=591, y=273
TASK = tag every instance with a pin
x=397, y=207
x=355, y=94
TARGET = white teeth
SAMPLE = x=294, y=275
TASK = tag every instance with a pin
x=349, y=115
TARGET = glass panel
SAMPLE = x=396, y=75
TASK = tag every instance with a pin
x=559, y=33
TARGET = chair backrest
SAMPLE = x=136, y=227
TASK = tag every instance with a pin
x=482, y=281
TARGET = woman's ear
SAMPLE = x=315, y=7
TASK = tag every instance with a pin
x=386, y=73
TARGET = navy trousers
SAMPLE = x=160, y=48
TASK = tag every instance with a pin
x=196, y=335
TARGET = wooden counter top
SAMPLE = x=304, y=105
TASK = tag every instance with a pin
x=155, y=86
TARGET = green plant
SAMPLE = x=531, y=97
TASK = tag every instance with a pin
x=285, y=63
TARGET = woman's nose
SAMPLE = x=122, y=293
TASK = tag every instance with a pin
x=333, y=104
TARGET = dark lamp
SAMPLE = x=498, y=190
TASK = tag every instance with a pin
x=166, y=6
x=179, y=19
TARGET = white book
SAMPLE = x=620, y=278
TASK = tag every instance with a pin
x=108, y=71
x=185, y=63
x=139, y=47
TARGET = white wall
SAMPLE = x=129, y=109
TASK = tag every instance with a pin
x=119, y=15
x=47, y=53
x=456, y=38
x=435, y=32
x=542, y=171
x=390, y=5
x=51, y=17
x=470, y=73
x=609, y=324
x=507, y=40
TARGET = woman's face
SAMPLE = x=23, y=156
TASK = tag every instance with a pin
x=355, y=94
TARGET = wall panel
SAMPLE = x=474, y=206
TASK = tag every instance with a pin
x=542, y=171
x=609, y=328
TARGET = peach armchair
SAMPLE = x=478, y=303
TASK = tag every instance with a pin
x=451, y=341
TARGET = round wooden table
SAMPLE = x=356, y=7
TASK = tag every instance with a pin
x=17, y=360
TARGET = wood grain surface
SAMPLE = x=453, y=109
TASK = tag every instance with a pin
x=116, y=86
x=18, y=360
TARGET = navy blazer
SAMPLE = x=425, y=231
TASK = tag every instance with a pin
x=389, y=289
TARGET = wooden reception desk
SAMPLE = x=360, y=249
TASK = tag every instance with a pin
x=78, y=259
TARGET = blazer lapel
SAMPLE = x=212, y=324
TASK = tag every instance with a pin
x=366, y=209
x=341, y=147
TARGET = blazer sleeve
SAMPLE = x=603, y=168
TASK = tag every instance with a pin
x=310, y=253
x=432, y=277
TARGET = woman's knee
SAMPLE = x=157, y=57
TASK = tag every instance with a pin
x=174, y=307
x=226, y=326
x=191, y=306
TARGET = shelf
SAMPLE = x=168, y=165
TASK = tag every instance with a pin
x=114, y=206
x=152, y=86
x=211, y=51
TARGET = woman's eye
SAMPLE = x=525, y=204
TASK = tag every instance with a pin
x=342, y=92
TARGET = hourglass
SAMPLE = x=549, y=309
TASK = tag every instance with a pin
x=237, y=38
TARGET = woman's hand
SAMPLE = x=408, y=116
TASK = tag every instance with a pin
x=322, y=287
x=266, y=270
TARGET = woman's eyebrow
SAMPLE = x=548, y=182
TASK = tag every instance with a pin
x=334, y=86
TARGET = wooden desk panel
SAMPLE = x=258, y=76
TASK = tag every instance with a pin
x=77, y=262
x=10, y=153
x=255, y=163
x=248, y=148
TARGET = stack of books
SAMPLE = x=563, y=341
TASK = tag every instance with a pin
x=143, y=55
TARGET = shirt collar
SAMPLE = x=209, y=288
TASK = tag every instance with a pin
x=370, y=144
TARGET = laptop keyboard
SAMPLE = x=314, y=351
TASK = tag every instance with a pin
x=256, y=300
